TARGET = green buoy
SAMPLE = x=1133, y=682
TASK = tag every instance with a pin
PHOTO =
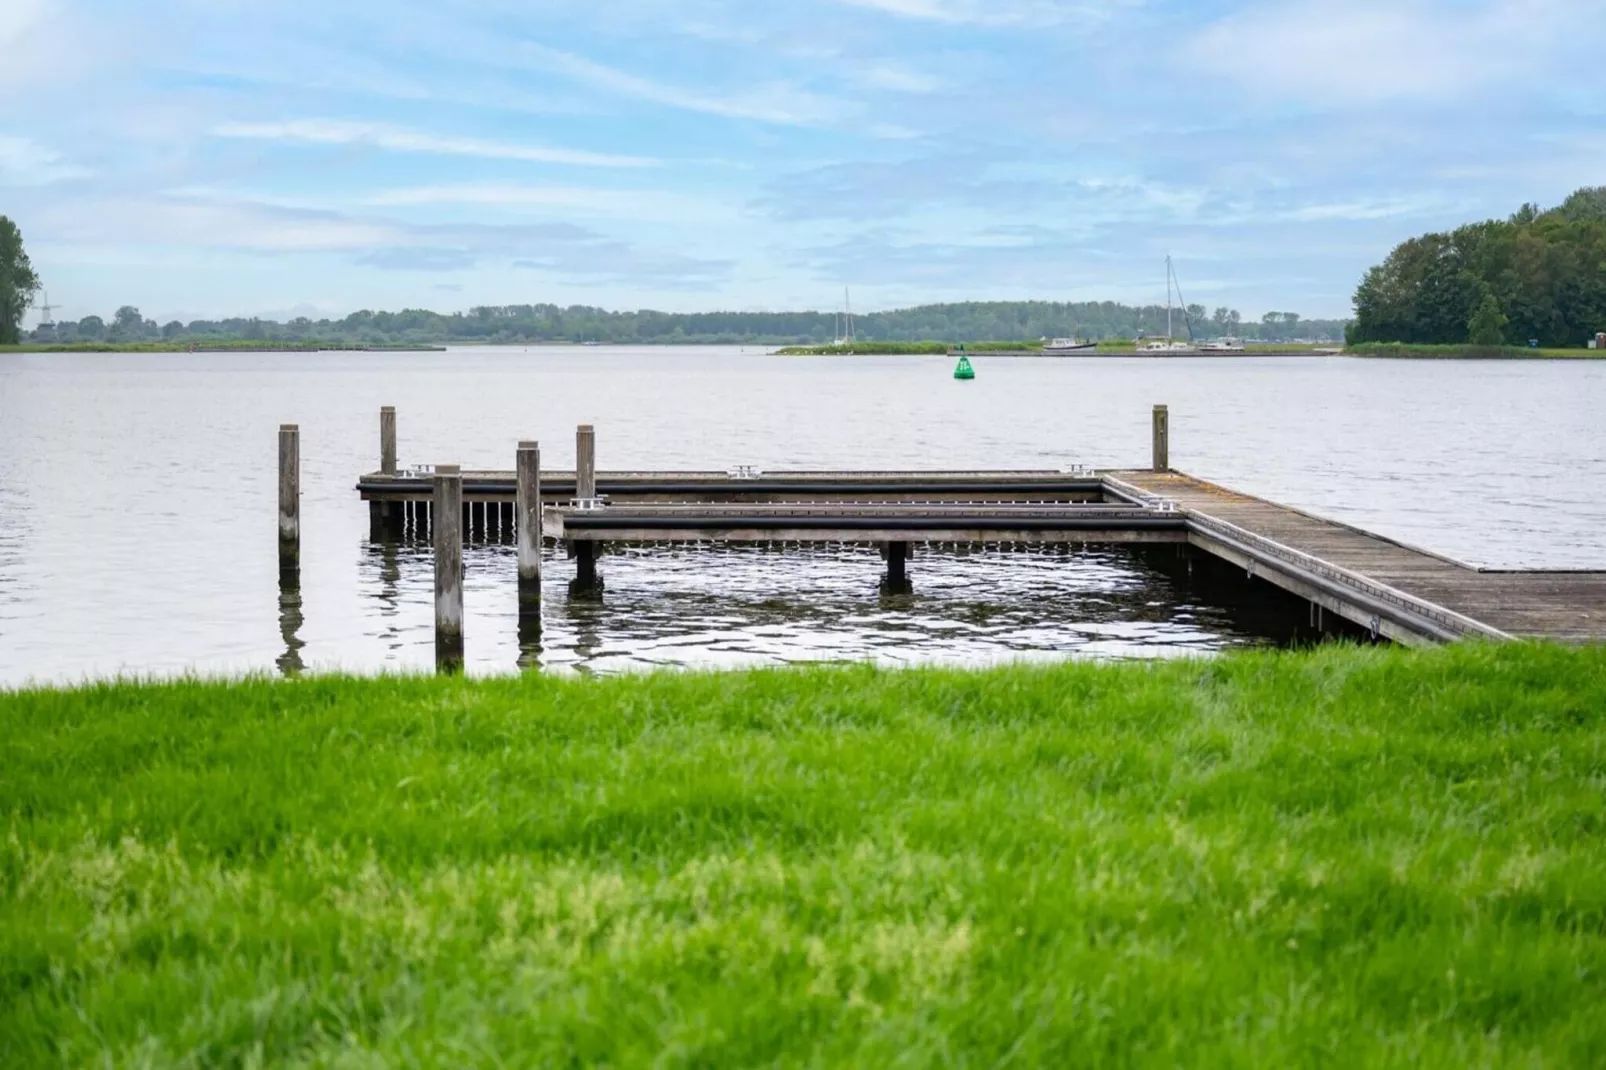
x=963, y=370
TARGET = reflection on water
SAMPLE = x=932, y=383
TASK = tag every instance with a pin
x=713, y=606
x=290, y=621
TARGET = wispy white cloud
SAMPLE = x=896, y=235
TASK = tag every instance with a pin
x=899, y=79
x=44, y=43
x=400, y=139
x=212, y=223
x=776, y=102
x=993, y=12
x=652, y=204
x=17, y=17
x=1355, y=211
x=1368, y=52
x=24, y=162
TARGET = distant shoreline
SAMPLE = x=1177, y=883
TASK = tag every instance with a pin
x=219, y=347
x=979, y=350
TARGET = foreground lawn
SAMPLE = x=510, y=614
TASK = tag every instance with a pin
x=1341, y=858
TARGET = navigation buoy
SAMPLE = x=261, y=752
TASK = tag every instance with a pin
x=963, y=370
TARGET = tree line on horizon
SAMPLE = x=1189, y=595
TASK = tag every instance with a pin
x=1539, y=276
x=973, y=321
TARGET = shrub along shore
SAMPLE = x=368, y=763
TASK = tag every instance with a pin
x=1345, y=856
x=1126, y=345
x=1469, y=352
x=243, y=345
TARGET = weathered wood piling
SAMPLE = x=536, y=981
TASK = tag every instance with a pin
x=585, y=492
x=387, y=440
x=289, y=497
x=527, y=511
x=448, y=568
x=1162, y=438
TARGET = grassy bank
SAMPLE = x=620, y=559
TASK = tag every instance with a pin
x=913, y=348
x=1117, y=346
x=1347, y=857
x=1469, y=352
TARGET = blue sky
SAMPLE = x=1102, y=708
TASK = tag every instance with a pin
x=282, y=157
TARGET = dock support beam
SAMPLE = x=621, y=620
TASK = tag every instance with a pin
x=289, y=498
x=897, y=568
x=448, y=568
x=585, y=567
x=1162, y=438
x=585, y=461
x=527, y=524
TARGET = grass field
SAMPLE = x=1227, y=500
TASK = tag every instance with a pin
x=1345, y=857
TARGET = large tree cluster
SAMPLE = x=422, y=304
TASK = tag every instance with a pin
x=1539, y=275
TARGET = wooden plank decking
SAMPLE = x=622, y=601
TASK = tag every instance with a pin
x=1568, y=606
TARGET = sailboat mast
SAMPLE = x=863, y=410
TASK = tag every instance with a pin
x=1168, y=295
x=847, y=303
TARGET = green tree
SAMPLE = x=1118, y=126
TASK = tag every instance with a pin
x=127, y=325
x=1487, y=327
x=18, y=283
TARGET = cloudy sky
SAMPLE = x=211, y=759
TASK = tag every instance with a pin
x=211, y=157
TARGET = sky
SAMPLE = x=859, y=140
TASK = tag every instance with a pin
x=204, y=158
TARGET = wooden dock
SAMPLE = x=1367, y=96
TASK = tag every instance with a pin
x=1387, y=589
x=1312, y=556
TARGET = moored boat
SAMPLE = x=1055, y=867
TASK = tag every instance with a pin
x=1061, y=346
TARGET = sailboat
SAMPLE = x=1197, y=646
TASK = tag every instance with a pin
x=845, y=334
x=1169, y=344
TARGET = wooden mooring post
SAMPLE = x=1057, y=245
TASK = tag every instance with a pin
x=289, y=498
x=387, y=440
x=1162, y=438
x=585, y=489
x=585, y=461
x=387, y=519
x=527, y=534
x=527, y=514
x=448, y=568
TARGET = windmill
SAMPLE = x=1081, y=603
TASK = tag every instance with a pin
x=45, y=309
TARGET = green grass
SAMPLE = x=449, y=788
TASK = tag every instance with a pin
x=1345, y=857
x=1469, y=352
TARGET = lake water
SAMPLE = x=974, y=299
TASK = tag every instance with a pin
x=137, y=497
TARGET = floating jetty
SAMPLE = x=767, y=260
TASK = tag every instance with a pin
x=1355, y=582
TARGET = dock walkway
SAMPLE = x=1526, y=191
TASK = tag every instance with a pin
x=1568, y=606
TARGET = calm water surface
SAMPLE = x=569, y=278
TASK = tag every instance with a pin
x=137, y=497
